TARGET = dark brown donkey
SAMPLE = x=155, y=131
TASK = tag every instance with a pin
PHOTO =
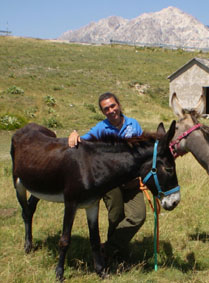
x=45, y=166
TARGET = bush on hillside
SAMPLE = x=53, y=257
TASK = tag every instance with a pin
x=31, y=112
x=12, y=122
x=15, y=90
x=50, y=101
x=52, y=123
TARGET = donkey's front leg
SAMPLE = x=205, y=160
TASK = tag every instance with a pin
x=69, y=215
x=92, y=216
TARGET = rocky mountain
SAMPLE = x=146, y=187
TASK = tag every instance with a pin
x=169, y=26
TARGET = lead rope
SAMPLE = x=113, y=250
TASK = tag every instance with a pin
x=156, y=211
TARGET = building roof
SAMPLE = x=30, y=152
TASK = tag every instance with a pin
x=202, y=63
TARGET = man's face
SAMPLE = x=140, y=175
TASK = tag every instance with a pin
x=111, y=110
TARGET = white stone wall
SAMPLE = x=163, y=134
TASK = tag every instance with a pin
x=188, y=86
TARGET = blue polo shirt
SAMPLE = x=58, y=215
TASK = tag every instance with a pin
x=130, y=128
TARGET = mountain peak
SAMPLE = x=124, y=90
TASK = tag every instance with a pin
x=169, y=26
x=171, y=9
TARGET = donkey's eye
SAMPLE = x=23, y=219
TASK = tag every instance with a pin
x=169, y=170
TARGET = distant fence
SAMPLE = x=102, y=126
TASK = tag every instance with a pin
x=160, y=45
x=140, y=44
x=5, y=32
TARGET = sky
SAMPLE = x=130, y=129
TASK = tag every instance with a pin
x=48, y=19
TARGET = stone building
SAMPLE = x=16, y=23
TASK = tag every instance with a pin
x=189, y=82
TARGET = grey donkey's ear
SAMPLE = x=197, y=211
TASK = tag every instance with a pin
x=201, y=104
x=176, y=106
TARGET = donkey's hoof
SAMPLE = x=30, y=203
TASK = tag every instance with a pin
x=59, y=274
x=28, y=247
x=104, y=274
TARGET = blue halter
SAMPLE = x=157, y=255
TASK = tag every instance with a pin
x=153, y=172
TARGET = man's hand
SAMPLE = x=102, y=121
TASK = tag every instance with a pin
x=73, y=139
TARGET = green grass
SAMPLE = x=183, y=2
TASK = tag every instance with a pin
x=74, y=75
x=61, y=83
x=184, y=237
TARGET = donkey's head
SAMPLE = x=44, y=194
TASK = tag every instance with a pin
x=162, y=179
x=187, y=123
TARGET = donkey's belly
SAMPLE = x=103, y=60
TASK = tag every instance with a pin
x=51, y=198
x=55, y=197
x=59, y=197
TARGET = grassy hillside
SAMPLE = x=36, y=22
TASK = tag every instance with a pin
x=57, y=84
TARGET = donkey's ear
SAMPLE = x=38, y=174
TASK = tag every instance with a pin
x=169, y=135
x=176, y=106
x=161, y=129
x=200, y=107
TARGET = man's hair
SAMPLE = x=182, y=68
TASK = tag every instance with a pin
x=107, y=95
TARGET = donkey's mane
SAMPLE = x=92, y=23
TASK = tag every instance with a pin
x=204, y=128
x=205, y=131
x=114, y=139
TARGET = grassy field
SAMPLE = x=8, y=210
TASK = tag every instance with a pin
x=58, y=84
x=184, y=236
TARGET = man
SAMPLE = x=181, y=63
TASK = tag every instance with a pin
x=125, y=205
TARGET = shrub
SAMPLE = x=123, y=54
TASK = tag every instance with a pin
x=15, y=90
x=12, y=122
x=51, y=110
x=52, y=123
x=50, y=100
x=31, y=112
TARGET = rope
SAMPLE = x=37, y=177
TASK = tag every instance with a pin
x=156, y=233
x=156, y=211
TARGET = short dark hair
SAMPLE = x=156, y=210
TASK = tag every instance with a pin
x=107, y=95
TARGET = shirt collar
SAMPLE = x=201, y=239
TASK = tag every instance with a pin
x=125, y=124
